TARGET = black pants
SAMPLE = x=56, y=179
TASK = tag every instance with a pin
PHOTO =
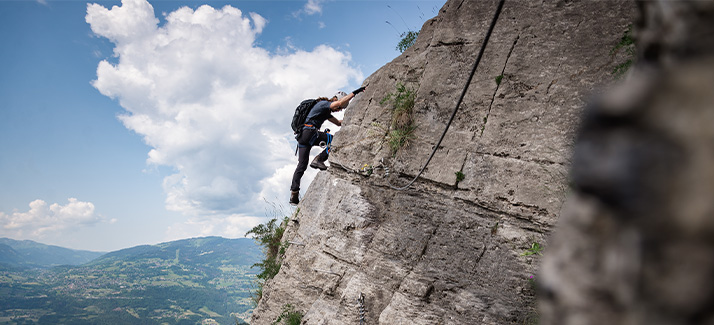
x=307, y=138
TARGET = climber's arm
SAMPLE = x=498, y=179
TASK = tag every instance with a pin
x=335, y=121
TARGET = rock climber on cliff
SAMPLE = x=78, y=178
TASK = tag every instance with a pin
x=310, y=135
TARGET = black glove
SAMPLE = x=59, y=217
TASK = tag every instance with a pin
x=359, y=90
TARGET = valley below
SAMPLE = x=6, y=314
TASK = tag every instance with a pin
x=194, y=281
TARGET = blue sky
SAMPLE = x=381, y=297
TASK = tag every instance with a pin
x=135, y=122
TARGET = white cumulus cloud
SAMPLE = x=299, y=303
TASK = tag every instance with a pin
x=310, y=8
x=212, y=105
x=44, y=221
x=313, y=7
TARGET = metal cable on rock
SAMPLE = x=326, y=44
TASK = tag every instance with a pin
x=463, y=93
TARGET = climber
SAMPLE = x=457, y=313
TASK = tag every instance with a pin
x=311, y=135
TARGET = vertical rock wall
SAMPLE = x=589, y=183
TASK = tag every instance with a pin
x=447, y=251
x=635, y=245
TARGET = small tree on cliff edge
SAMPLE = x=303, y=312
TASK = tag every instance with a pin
x=407, y=40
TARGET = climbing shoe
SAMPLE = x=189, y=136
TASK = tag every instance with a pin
x=294, y=197
x=316, y=163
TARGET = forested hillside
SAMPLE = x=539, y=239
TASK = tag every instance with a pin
x=202, y=280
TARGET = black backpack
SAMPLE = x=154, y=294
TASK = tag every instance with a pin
x=301, y=114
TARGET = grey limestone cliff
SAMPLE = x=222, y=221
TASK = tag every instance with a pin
x=447, y=251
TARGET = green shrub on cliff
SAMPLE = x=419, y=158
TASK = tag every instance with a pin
x=268, y=235
x=290, y=316
x=402, y=126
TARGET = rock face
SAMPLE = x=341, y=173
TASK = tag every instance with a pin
x=635, y=245
x=447, y=251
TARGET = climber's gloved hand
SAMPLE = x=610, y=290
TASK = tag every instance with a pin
x=359, y=90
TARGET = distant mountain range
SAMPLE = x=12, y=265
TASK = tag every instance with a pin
x=27, y=253
x=192, y=251
x=192, y=281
